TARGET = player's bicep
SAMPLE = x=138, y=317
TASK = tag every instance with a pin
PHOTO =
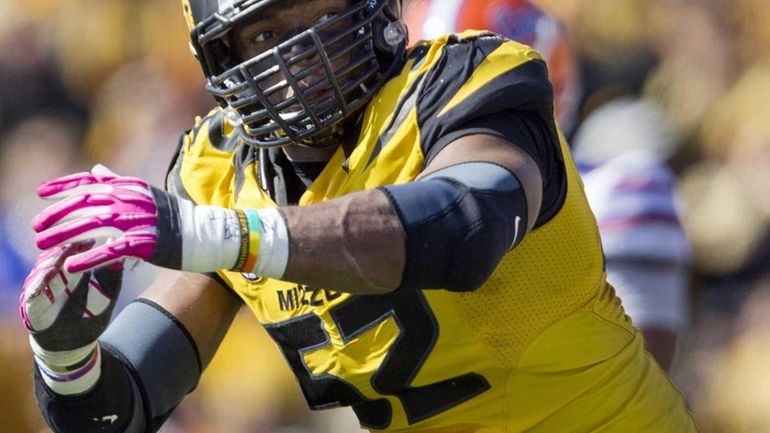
x=202, y=306
x=489, y=149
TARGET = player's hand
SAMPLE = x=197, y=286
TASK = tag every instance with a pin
x=135, y=220
x=96, y=206
x=67, y=310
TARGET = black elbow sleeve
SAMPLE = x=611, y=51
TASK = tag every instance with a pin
x=459, y=223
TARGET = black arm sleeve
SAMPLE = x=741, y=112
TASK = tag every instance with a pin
x=112, y=406
x=159, y=353
x=149, y=363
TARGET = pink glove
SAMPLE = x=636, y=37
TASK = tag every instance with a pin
x=98, y=205
x=63, y=310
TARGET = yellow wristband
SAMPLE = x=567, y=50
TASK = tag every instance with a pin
x=255, y=227
x=243, y=253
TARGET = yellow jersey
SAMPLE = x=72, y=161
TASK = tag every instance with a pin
x=542, y=346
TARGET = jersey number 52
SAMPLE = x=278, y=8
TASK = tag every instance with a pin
x=418, y=334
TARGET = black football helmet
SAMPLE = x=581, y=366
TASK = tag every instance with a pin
x=278, y=93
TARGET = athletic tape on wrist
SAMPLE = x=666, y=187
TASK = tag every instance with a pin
x=61, y=378
x=61, y=359
x=248, y=240
x=211, y=237
x=274, y=244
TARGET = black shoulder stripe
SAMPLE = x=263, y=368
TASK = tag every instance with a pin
x=174, y=183
x=404, y=107
x=418, y=55
x=523, y=88
x=216, y=131
x=243, y=157
x=172, y=165
x=445, y=80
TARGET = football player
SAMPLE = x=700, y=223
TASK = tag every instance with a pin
x=620, y=150
x=407, y=225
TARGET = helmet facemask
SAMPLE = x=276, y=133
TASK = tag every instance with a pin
x=302, y=89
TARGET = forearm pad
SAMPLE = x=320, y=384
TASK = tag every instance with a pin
x=160, y=354
x=112, y=406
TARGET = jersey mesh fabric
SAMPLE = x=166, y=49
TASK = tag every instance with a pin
x=556, y=271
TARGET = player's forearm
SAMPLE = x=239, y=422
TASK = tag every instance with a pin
x=353, y=243
x=445, y=231
x=448, y=230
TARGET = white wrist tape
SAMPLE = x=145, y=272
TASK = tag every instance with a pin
x=210, y=237
x=273, y=244
x=56, y=373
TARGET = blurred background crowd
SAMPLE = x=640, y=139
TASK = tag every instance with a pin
x=112, y=81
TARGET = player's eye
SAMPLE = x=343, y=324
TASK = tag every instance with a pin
x=263, y=36
x=326, y=17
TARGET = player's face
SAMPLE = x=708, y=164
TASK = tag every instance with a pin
x=280, y=24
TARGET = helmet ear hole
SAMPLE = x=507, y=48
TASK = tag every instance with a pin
x=389, y=38
x=390, y=34
x=395, y=33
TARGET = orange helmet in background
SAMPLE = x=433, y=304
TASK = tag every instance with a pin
x=518, y=20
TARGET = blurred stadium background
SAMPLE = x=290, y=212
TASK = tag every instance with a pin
x=111, y=81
